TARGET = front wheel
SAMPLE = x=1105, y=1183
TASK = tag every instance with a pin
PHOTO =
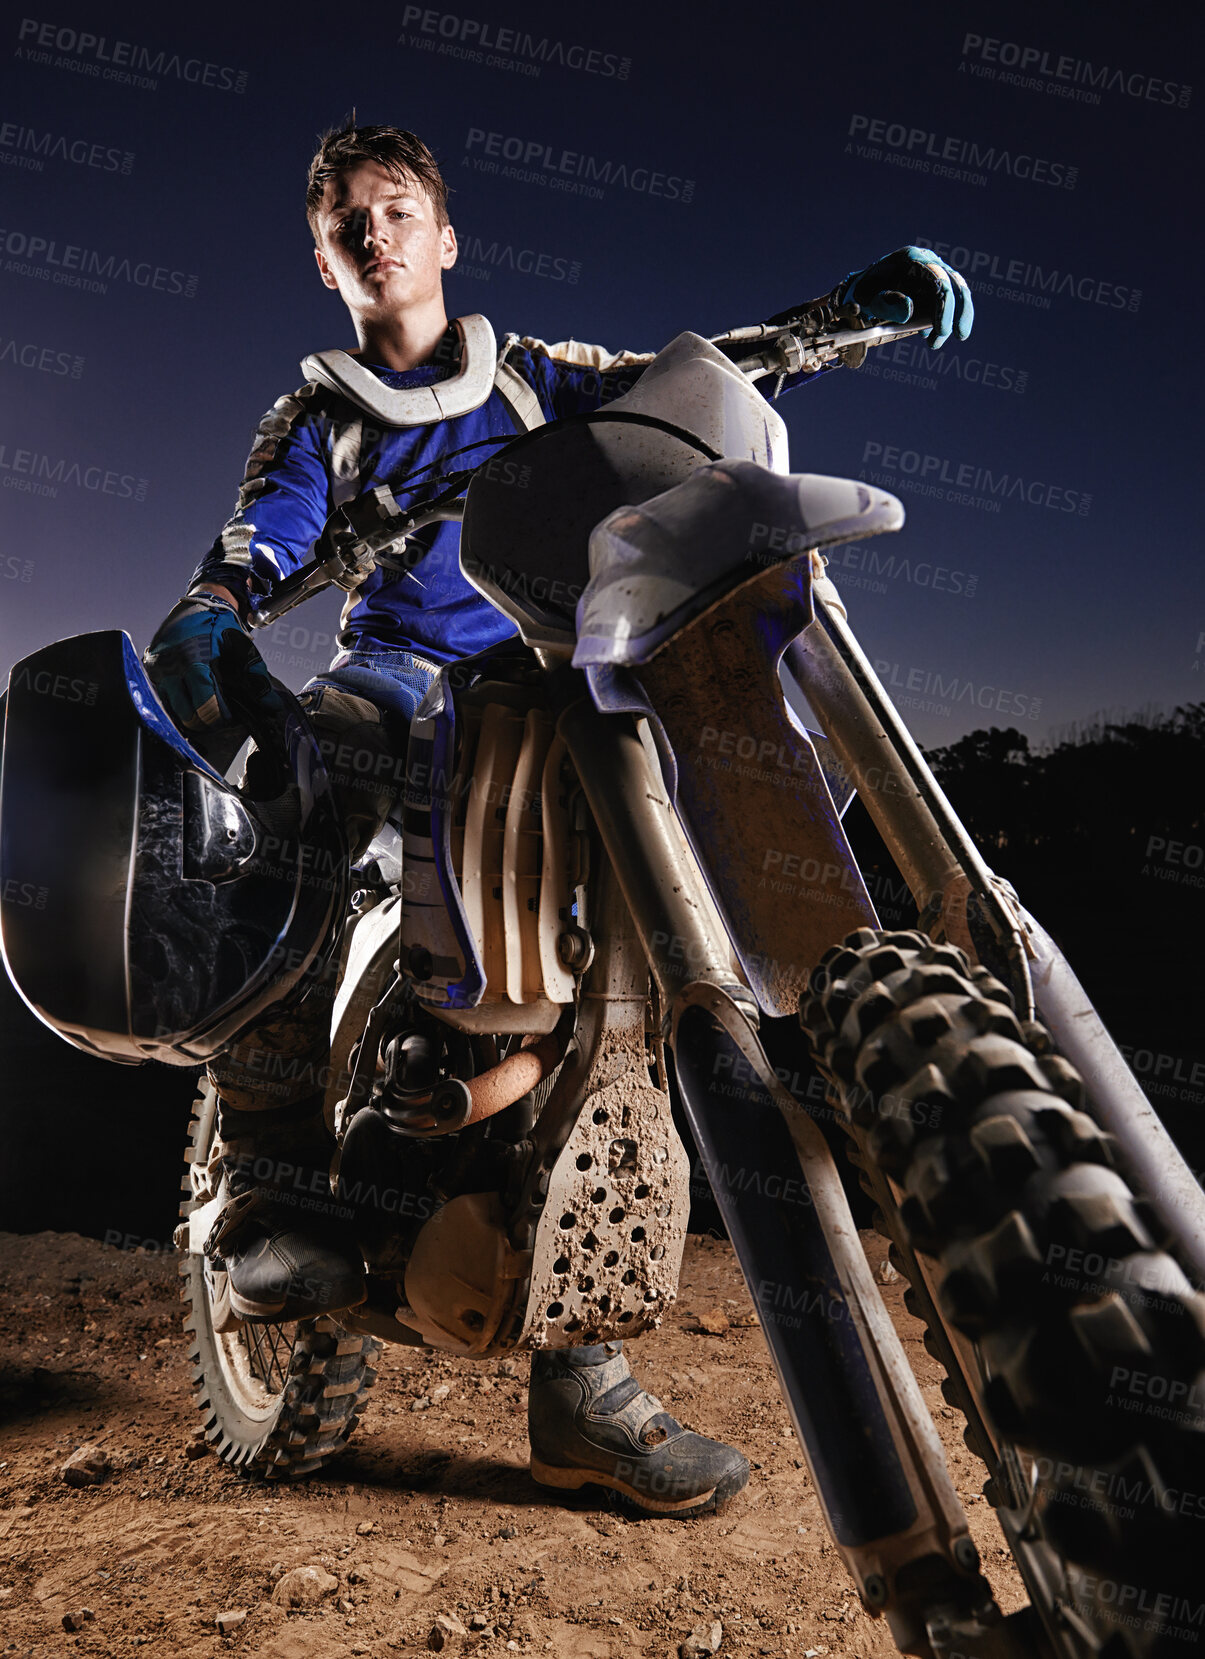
x=1084, y=1340
x=278, y=1401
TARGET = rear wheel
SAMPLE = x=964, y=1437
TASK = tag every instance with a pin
x=1083, y=1340
x=277, y=1401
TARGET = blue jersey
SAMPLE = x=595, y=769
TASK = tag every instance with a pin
x=315, y=450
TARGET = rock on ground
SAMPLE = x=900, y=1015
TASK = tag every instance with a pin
x=304, y=1587
x=703, y=1641
x=87, y=1467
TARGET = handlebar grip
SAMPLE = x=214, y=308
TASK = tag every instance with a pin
x=310, y=579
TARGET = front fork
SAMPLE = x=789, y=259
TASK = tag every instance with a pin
x=959, y=898
x=865, y=1430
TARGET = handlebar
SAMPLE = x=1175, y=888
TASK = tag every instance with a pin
x=793, y=355
x=820, y=334
x=374, y=530
x=370, y=530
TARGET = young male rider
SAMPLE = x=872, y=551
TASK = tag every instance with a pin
x=377, y=207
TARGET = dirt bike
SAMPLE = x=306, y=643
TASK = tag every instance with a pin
x=619, y=853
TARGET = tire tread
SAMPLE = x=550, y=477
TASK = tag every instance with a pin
x=1001, y=1176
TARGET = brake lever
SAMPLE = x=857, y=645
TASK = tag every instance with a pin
x=790, y=351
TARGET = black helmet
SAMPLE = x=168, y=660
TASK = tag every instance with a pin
x=148, y=908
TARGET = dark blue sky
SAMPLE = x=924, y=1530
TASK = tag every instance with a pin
x=804, y=160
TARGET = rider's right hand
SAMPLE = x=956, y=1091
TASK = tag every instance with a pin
x=201, y=659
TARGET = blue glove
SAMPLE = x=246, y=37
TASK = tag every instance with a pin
x=206, y=670
x=912, y=282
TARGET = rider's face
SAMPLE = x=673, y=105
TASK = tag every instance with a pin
x=379, y=244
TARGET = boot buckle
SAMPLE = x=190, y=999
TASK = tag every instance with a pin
x=231, y=1219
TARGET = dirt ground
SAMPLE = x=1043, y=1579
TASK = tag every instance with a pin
x=430, y=1512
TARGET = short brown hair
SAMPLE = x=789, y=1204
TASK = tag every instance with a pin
x=402, y=154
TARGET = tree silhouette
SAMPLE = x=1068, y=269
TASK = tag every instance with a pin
x=1102, y=791
x=1103, y=836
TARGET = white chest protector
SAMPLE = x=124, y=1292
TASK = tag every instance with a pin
x=483, y=369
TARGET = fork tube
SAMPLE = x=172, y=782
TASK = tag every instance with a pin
x=924, y=834
x=874, y=745
x=1152, y=1157
x=673, y=911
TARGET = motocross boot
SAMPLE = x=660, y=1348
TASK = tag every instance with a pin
x=591, y=1424
x=282, y=1237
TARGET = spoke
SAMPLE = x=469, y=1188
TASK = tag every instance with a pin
x=269, y=1349
x=281, y=1349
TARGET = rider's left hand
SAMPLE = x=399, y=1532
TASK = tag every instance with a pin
x=206, y=669
x=912, y=284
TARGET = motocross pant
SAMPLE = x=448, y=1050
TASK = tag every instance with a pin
x=361, y=711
